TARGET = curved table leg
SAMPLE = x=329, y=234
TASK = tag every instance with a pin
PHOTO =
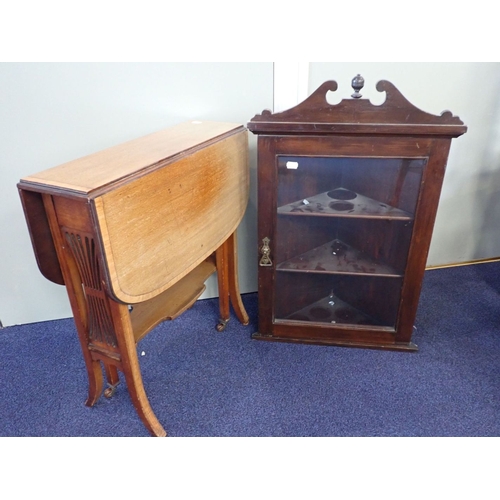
x=226, y=258
x=222, y=264
x=73, y=283
x=112, y=378
x=131, y=370
x=94, y=372
x=234, y=286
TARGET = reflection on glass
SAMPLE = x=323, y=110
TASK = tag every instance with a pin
x=343, y=217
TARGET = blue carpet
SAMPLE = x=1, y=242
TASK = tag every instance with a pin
x=204, y=383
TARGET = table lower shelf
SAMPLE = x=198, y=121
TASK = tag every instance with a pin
x=172, y=302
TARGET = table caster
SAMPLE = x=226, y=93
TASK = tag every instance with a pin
x=221, y=325
x=110, y=390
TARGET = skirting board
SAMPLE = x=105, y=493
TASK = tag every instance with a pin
x=466, y=263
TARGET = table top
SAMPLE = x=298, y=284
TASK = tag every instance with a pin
x=100, y=171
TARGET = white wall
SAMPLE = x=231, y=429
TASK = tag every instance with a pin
x=55, y=112
x=51, y=113
x=467, y=225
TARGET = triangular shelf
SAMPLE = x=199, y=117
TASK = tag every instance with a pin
x=342, y=202
x=332, y=310
x=339, y=258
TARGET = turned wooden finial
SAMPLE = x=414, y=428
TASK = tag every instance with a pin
x=358, y=82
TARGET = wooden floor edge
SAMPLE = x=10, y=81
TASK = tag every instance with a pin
x=466, y=263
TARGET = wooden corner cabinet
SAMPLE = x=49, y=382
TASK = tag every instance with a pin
x=347, y=195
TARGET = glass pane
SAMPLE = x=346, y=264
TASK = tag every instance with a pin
x=342, y=237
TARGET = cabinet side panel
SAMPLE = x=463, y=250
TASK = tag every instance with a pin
x=422, y=233
x=159, y=227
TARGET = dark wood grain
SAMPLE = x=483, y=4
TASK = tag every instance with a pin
x=396, y=116
x=385, y=164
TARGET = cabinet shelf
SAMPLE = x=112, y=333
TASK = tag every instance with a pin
x=342, y=202
x=332, y=310
x=336, y=257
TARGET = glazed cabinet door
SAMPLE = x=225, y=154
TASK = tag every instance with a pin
x=335, y=233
